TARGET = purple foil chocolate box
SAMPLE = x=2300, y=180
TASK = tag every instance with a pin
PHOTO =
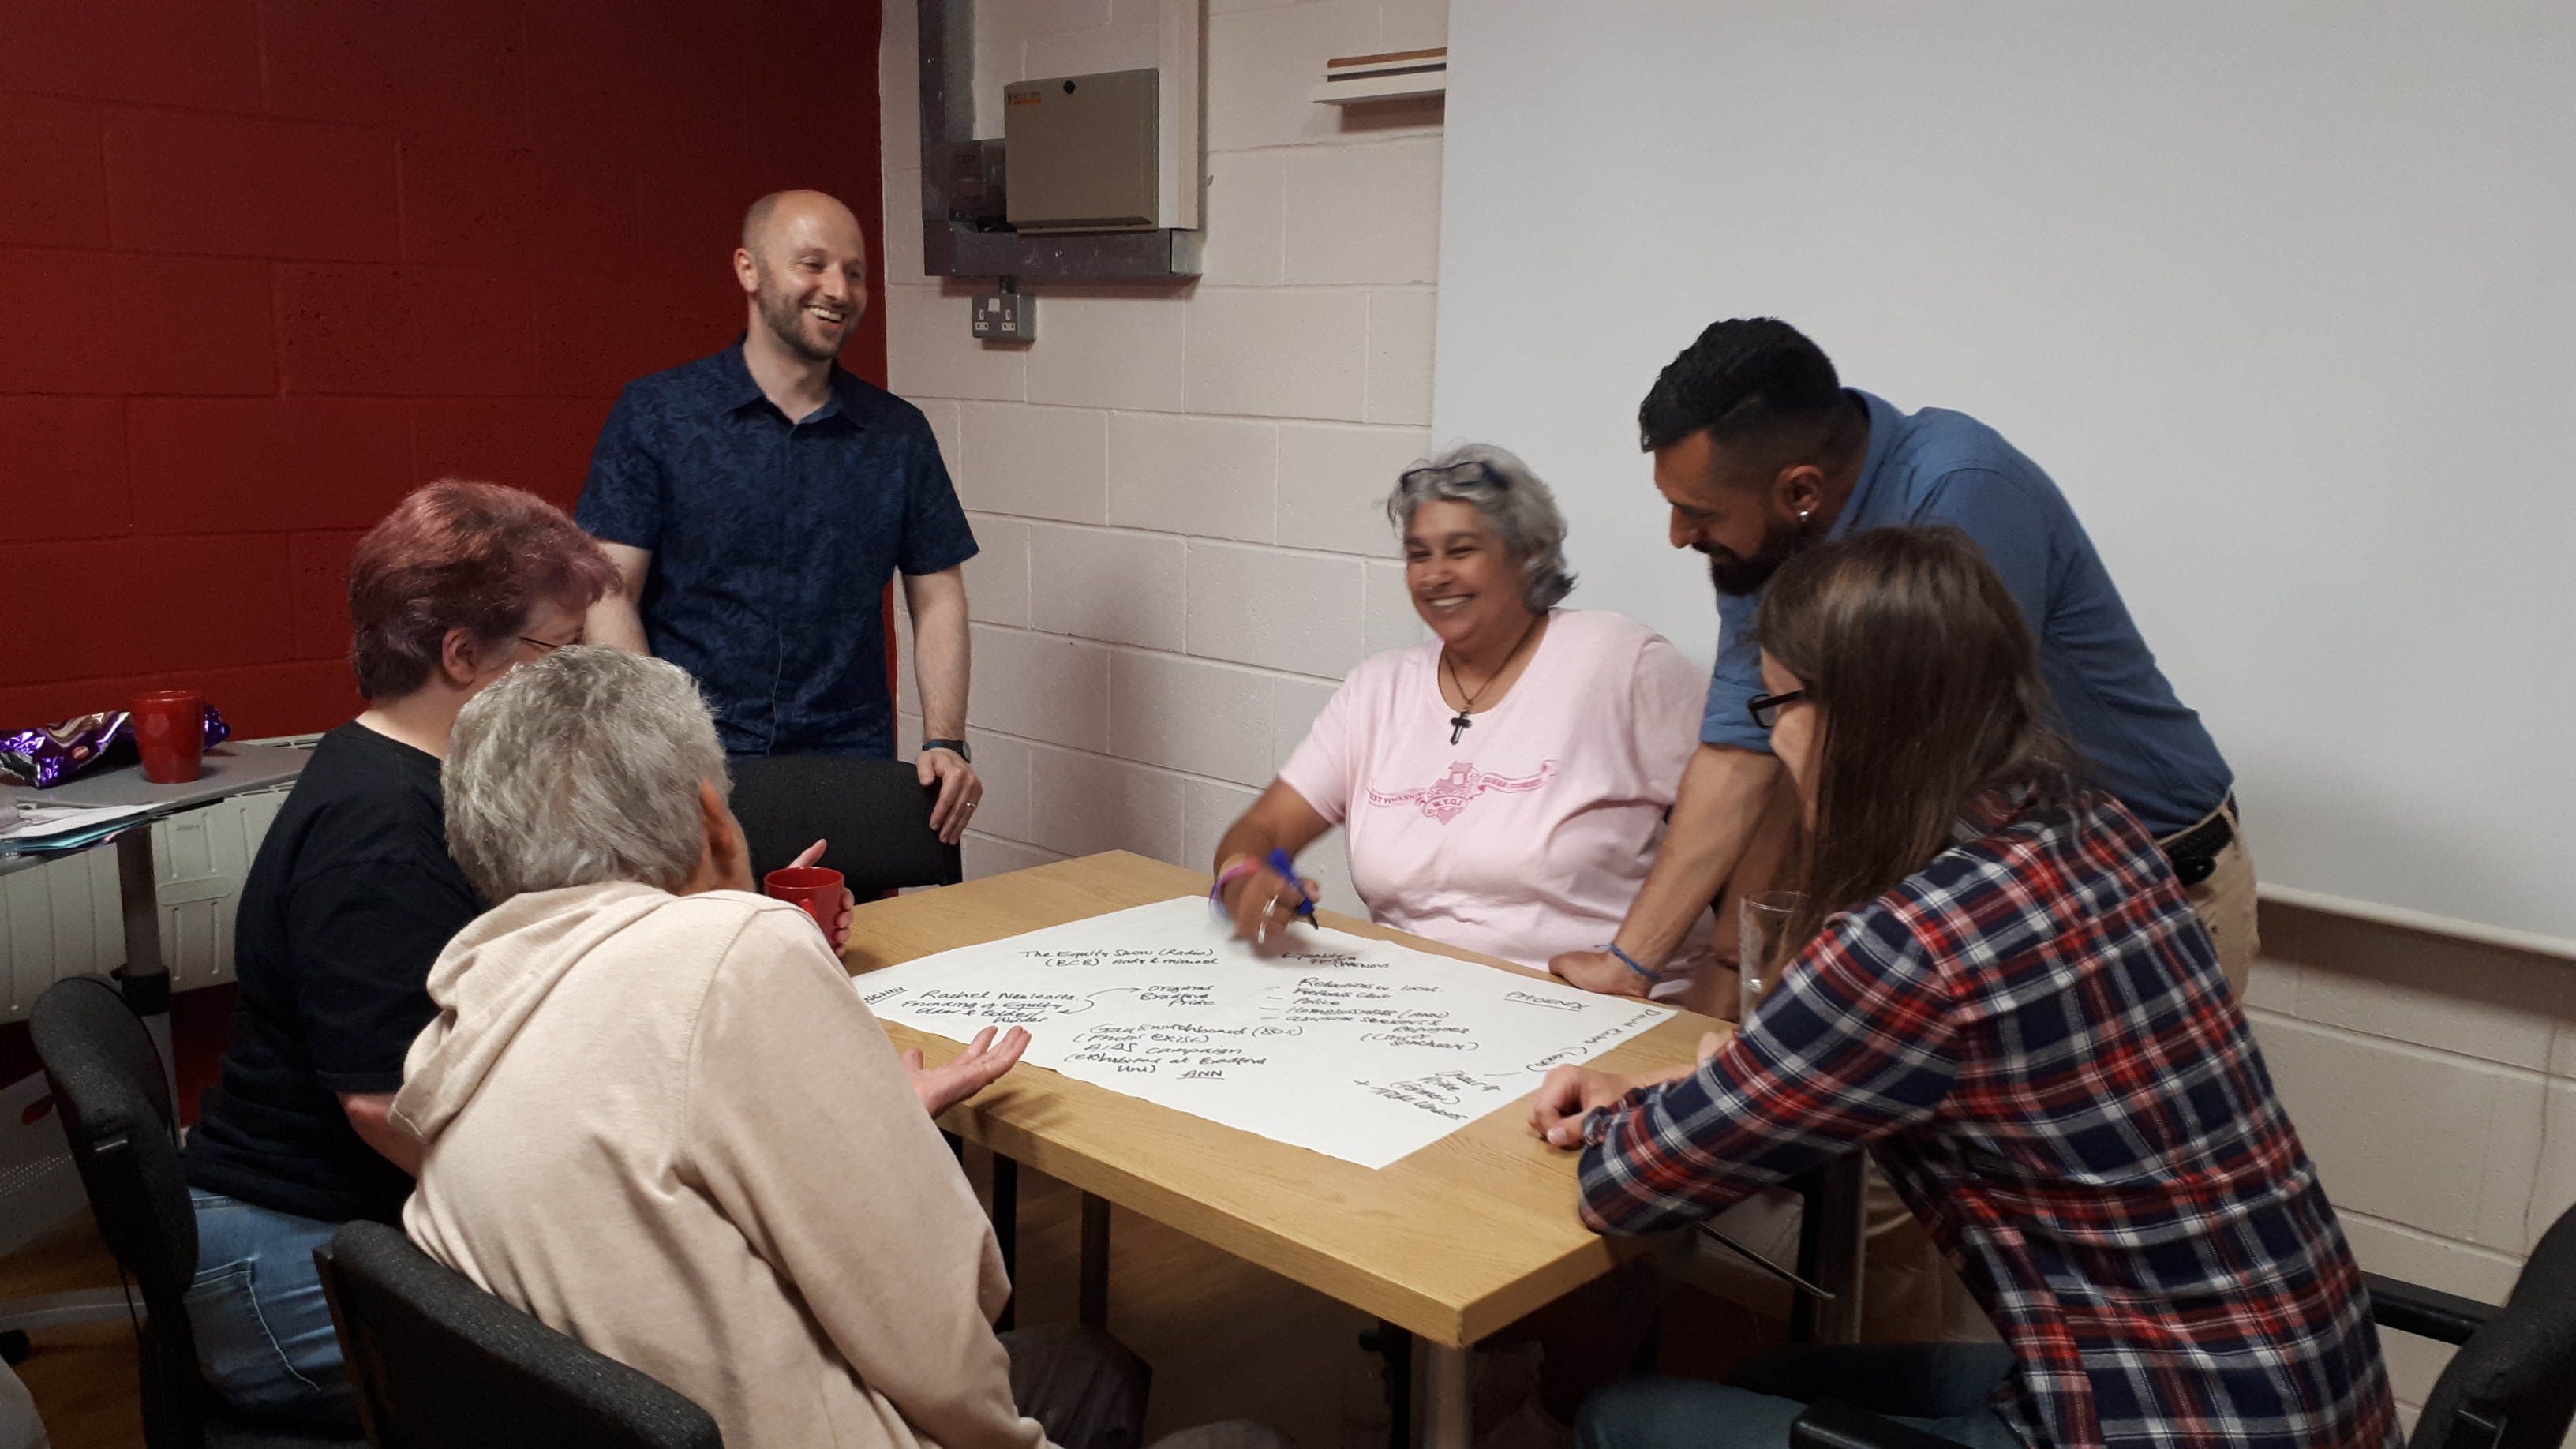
x=51, y=754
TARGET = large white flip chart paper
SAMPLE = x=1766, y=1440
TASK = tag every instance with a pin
x=1360, y=1049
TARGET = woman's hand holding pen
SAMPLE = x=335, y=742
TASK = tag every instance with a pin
x=1263, y=900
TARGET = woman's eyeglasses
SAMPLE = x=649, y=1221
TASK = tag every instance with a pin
x=1456, y=475
x=547, y=646
x=1765, y=708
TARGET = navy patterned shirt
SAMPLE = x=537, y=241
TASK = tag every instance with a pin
x=772, y=544
x=2032, y=1035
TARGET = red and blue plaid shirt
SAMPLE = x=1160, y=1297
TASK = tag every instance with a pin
x=2033, y=1037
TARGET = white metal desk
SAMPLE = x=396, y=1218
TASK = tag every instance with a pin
x=230, y=769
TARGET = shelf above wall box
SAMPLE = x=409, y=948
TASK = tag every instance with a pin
x=1400, y=75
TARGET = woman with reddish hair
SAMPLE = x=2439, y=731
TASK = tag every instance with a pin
x=351, y=898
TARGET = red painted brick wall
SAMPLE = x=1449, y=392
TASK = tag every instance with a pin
x=267, y=264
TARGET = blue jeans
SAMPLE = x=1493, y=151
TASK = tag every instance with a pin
x=1944, y=1383
x=263, y=1328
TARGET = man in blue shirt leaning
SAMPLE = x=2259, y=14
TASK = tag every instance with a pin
x=1761, y=451
x=757, y=501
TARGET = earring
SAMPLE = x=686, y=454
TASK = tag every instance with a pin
x=1803, y=514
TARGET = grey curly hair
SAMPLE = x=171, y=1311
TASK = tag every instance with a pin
x=580, y=768
x=1510, y=498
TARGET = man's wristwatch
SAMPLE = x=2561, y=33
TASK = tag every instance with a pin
x=959, y=746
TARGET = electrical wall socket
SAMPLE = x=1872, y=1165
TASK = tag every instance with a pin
x=1006, y=317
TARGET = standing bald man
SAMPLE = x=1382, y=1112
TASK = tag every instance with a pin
x=758, y=500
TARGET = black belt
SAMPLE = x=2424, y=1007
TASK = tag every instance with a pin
x=2194, y=853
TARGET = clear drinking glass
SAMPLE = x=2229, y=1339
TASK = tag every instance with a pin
x=1762, y=924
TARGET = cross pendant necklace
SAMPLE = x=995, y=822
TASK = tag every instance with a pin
x=1460, y=723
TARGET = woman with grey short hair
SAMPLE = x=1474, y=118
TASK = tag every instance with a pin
x=655, y=1115
x=1504, y=784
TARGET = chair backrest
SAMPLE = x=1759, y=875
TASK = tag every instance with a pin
x=115, y=1103
x=875, y=813
x=440, y=1362
x=2513, y=1384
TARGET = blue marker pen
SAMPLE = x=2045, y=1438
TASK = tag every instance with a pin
x=1286, y=864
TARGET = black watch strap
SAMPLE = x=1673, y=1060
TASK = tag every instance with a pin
x=959, y=746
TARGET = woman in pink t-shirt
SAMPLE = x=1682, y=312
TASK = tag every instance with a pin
x=1503, y=786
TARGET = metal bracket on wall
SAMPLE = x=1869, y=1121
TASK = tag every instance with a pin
x=962, y=246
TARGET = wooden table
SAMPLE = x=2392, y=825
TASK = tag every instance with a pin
x=1452, y=1243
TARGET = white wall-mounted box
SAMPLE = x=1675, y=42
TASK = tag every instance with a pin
x=1085, y=151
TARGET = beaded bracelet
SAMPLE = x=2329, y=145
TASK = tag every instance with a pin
x=1242, y=866
x=1629, y=961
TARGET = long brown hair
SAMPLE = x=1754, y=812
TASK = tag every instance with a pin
x=1930, y=682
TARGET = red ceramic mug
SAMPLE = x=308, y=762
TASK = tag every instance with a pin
x=813, y=887
x=170, y=730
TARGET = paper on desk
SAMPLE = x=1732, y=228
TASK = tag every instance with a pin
x=1358, y=1048
x=34, y=826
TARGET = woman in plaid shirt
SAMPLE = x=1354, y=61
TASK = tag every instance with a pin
x=2004, y=995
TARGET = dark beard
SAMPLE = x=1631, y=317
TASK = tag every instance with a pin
x=786, y=319
x=1735, y=574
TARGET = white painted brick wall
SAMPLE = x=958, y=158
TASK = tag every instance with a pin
x=2434, y=1083
x=923, y=324
x=997, y=579
x=1207, y=477
x=1280, y=352
x=1363, y=214
x=1400, y=329
x=1034, y=462
x=1294, y=611
x=1332, y=483
x=1080, y=805
x=1110, y=348
x=1041, y=687
x=1117, y=585
x=1178, y=488
x=1191, y=715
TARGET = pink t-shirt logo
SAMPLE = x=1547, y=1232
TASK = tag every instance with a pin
x=1452, y=793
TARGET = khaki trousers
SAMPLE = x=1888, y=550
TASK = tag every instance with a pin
x=1909, y=1293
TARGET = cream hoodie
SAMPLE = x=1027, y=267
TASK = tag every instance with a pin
x=666, y=1126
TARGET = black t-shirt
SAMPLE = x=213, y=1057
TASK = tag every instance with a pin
x=352, y=897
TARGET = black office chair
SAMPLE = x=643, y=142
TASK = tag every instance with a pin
x=2512, y=1385
x=875, y=813
x=106, y=1078
x=440, y=1363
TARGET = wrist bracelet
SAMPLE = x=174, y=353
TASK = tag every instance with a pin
x=1224, y=878
x=1629, y=961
